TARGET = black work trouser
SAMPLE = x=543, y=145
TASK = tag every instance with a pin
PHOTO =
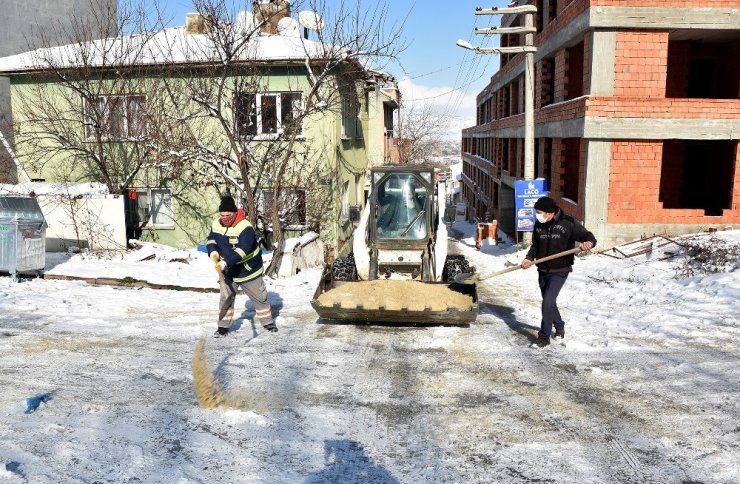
x=550, y=285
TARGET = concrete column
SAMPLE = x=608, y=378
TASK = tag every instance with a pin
x=596, y=190
x=602, y=63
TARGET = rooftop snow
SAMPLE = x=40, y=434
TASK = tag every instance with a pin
x=171, y=46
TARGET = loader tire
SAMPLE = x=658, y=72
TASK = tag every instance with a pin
x=454, y=265
x=343, y=268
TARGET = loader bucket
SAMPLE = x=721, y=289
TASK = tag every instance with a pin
x=361, y=311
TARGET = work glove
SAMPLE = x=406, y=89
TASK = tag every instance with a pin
x=221, y=266
x=215, y=257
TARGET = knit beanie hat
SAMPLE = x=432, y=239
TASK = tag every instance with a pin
x=546, y=204
x=227, y=204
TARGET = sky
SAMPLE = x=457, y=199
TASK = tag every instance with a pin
x=99, y=382
x=432, y=69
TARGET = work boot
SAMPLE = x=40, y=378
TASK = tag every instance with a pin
x=221, y=332
x=542, y=340
x=271, y=328
x=560, y=332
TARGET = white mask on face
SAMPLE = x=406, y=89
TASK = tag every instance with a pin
x=541, y=218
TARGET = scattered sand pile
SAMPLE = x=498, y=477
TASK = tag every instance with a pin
x=394, y=295
x=208, y=392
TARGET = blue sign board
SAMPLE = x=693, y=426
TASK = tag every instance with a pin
x=526, y=193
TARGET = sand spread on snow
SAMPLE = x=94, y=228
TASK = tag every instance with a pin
x=393, y=295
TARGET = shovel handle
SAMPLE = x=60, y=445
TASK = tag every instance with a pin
x=575, y=250
x=536, y=261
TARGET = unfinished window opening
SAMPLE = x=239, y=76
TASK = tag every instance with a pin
x=541, y=15
x=698, y=175
x=705, y=70
x=575, y=72
x=505, y=154
x=547, y=162
x=506, y=102
x=515, y=97
x=571, y=168
x=547, y=94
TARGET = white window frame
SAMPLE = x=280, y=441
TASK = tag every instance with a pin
x=259, y=101
x=159, y=216
x=128, y=120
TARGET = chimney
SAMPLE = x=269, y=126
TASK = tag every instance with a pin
x=195, y=24
x=271, y=13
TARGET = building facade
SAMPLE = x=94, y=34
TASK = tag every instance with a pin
x=29, y=24
x=637, y=117
x=171, y=140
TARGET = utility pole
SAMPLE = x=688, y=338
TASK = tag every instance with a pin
x=528, y=49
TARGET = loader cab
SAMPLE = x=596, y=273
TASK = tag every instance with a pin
x=401, y=207
x=402, y=203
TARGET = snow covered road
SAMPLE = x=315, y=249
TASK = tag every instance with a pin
x=644, y=389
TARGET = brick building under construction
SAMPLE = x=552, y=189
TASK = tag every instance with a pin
x=637, y=117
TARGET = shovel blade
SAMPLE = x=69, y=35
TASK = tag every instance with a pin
x=467, y=278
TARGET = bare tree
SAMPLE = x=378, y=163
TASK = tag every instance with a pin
x=238, y=129
x=92, y=120
x=420, y=130
x=201, y=110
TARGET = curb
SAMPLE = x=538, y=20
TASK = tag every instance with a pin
x=128, y=283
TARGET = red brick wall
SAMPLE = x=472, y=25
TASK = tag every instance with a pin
x=634, y=181
x=634, y=188
x=664, y=108
x=667, y=3
x=641, y=63
x=561, y=65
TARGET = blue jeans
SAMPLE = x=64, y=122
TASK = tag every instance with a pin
x=550, y=285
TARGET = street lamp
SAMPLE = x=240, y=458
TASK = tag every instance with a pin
x=528, y=49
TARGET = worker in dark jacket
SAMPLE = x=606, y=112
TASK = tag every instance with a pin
x=554, y=232
x=233, y=246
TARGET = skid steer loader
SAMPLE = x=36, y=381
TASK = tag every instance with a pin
x=399, y=251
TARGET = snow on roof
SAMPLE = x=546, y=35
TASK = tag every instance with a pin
x=171, y=46
x=54, y=189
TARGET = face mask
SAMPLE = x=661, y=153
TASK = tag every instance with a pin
x=541, y=218
x=226, y=221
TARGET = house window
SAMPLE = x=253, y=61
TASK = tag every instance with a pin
x=154, y=208
x=351, y=124
x=344, y=197
x=292, y=206
x=268, y=113
x=117, y=117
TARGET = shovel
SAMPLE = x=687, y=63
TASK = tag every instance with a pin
x=472, y=278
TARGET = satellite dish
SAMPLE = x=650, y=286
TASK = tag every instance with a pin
x=288, y=27
x=310, y=20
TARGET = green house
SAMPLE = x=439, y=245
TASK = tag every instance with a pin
x=173, y=119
